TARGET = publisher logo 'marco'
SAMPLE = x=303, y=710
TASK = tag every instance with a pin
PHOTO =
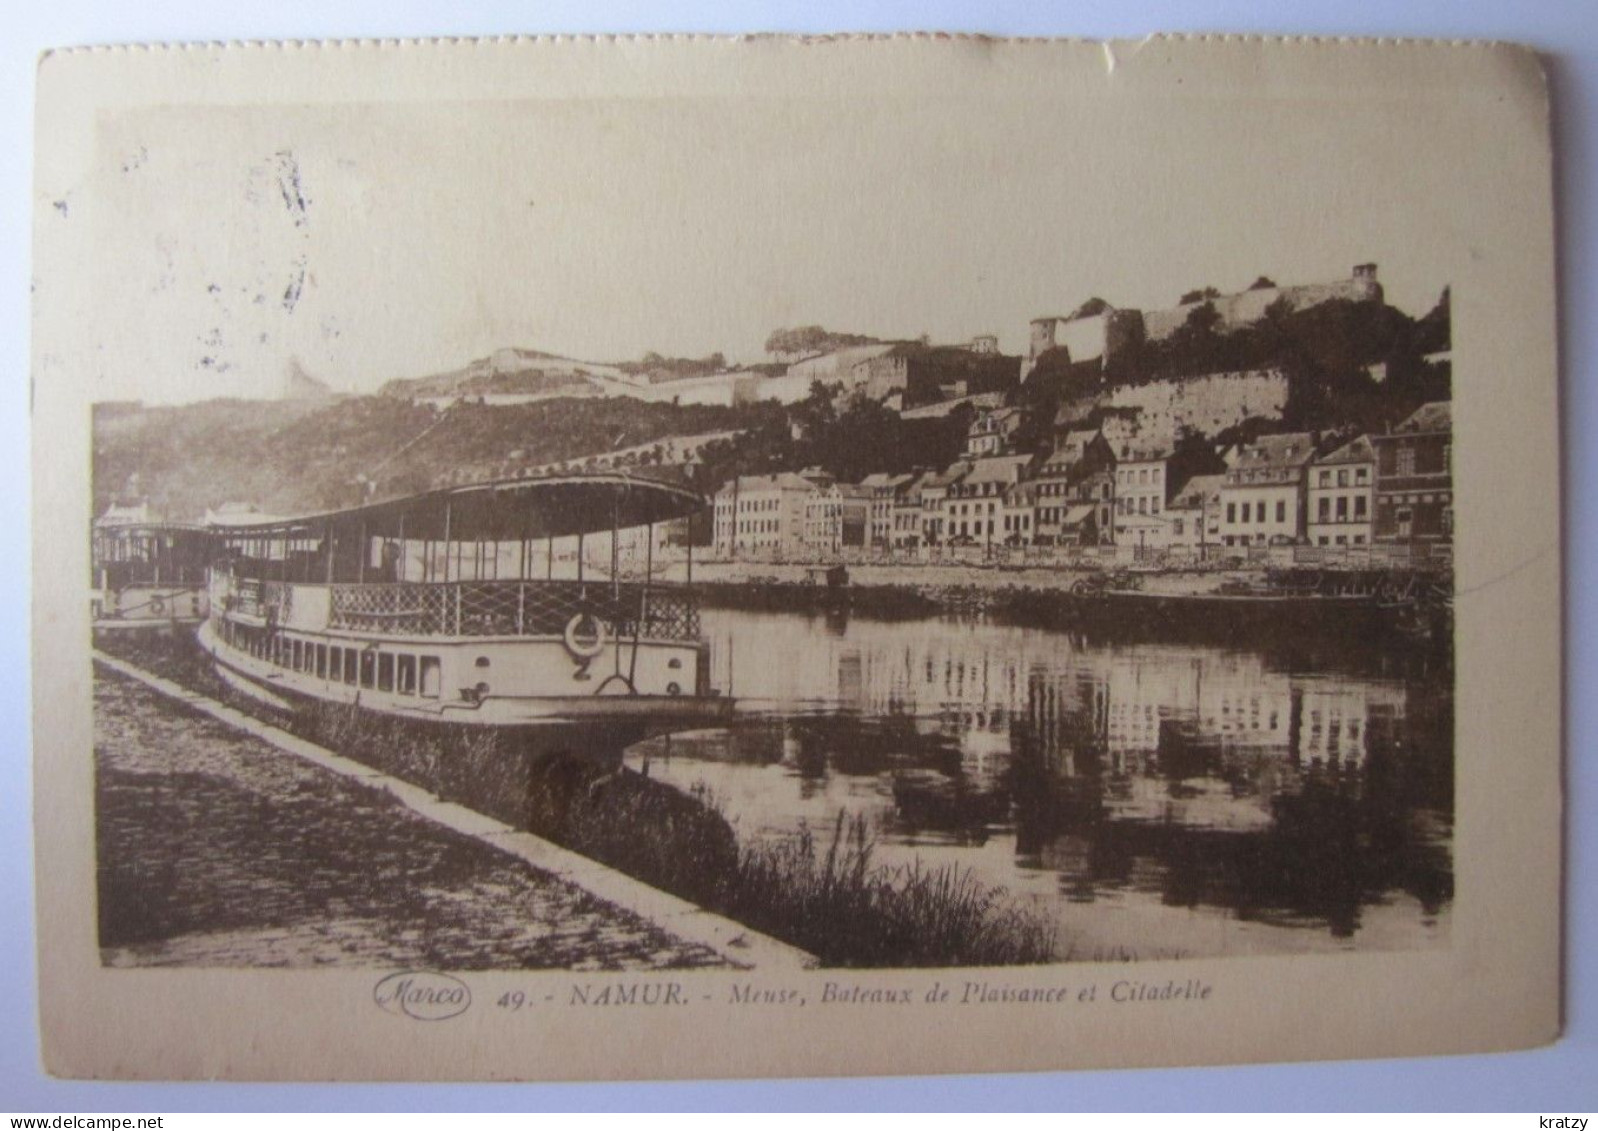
x=422, y=996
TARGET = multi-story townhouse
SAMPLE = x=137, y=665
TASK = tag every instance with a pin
x=1195, y=512
x=1414, y=478
x=971, y=510
x=882, y=486
x=934, y=492
x=991, y=431
x=1263, y=497
x=1341, y=496
x=1018, y=514
x=762, y=515
x=1090, y=508
x=1076, y=456
x=1142, y=488
x=837, y=518
x=906, y=533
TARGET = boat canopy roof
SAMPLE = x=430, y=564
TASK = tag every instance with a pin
x=504, y=510
x=131, y=530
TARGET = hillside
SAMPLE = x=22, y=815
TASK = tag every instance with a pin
x=1349, y=365
x=506, y=371
x=295, y=458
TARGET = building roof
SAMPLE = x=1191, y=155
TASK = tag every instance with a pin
x=885, y=479
x=1197, y=489
x=782, y=480
x=136, y=514
x=998, y=469
x=1023, y=493
x=1438, y=416
x=951, y=474
x=1078, y=513
x=995, y=415
x=1357, y=450
x=911, y=487
x=1145, y=453
x=1281, y=449
x=237, y=514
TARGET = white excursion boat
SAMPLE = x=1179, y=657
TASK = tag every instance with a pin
x=430, y=609
x=148, y=575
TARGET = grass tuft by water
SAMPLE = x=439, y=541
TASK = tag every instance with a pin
x=835, y=903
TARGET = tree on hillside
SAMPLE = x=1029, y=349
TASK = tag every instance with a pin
x=1244, y=432
x=816, y=414
x=1434, y=330
x=1263, y=283
x=1196, y=344
x=674, y=368
x=1193, y=455
x=865, y=438
x=1202, y=294
x=1201, y=321
x=804, y=341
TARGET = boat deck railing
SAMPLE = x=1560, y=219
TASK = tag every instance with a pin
x=486, y=608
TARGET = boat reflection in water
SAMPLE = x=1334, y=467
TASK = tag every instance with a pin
x=1161, y=800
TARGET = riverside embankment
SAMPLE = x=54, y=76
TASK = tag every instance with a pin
x=1170, y=603
x=217, y=849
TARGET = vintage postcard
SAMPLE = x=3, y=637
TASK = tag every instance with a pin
x=695, y=557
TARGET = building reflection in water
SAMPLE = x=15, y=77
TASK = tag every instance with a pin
x=1287, y=787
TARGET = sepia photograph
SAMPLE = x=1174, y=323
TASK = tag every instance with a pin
x=670, y=534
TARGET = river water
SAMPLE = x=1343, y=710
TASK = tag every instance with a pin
x=1159, y=800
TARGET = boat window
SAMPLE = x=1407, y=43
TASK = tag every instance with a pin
x=385, y=672
x=335, y=663
x=432, y=678
x=349, y=665
x=368, y=669
x=321, y=661
x=406, y=681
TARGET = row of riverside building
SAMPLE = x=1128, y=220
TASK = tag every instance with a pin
x=1101, y=487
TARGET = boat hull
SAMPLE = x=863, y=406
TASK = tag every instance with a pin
x=599, y=725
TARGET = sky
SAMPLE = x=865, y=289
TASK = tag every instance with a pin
x=375, y=241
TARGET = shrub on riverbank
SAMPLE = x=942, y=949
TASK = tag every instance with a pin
x=838, y=906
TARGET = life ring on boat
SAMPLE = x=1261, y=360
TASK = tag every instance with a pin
x=591, y=647
x=157, y=606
